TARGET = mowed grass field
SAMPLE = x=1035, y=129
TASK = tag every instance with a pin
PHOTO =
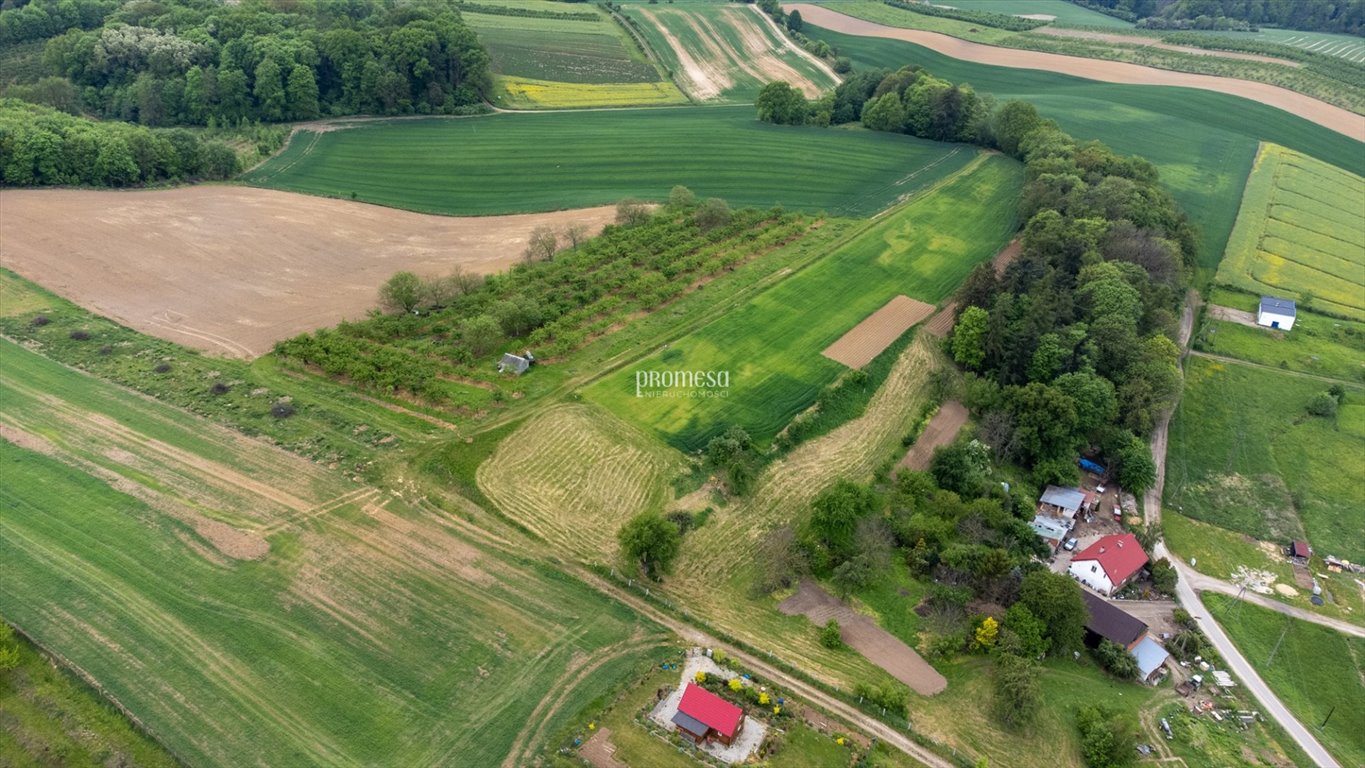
x=566, y=62
x=1345, y=47
x=371, y=631
x=1300, y=233
x=1202, y=142
x=1320, y=345
x=771, y=345
x=1245, y=455
x=1314, y=670
x=515, y=163
x=719, y=51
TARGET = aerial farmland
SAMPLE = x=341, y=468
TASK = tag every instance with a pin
x=687, y=383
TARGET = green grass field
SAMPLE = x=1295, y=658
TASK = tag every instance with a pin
x=1300, y=233
x=1324, y=346
x=771, y=345
x=537, y=162
x=1244, y=455
x=50, y=718
x=373, y=630
x=564, y=62
x=1202, y=142
x=1314, y=670
x=719, y=51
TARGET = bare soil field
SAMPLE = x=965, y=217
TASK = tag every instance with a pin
x=939, y=431
x=1340, y=120
x=1110, y=37
x=864, y=636
x=232, y=270
x=867, y=339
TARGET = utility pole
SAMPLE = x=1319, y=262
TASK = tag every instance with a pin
x=1276, y=649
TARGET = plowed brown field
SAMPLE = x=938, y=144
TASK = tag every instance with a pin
x=232, y=270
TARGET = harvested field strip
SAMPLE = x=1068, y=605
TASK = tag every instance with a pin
x=371, y=633
x=726, y=51
x=1300, y=232
x=867, y=339
x=574, y=469
x=506, y=162
x=1340, y=120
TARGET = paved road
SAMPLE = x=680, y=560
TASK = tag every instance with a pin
x=1205, y=583
x=1185, y=591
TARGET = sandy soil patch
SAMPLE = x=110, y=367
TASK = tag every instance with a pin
x=1109, y=37
x=863, y=635
x=232, y=270
x=939, y=431
x=867, y=339
x=1340, y=120
x=1239, y=316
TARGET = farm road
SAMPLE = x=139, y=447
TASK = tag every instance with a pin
x=1340, y=120
x=1249, y=364
x=1189, y=597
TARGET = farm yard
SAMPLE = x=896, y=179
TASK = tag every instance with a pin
x=1300, y=234
x=365, y=631
x=231, y=270
x=771, y=345
x=725, y=52
x=517, y=163
x=557, y=59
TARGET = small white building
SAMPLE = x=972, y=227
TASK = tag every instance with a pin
x=1276, y=313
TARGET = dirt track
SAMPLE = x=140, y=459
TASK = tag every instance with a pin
x=1338, y=119
x=232, y=270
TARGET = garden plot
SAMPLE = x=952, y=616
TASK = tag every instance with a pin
x=867, y=339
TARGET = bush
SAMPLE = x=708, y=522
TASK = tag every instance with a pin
x=829, y=635
x=282, y=410
x=651, y=541
x=79, y=335
x=219, y=388
x=1323, y=404
x=162, y=367
x=1116, y=660
x=39, y=321
x=1108, y=738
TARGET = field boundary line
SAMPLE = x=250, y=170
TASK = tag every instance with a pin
x=795, y=47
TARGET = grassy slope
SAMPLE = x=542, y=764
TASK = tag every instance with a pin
x=512, y=163
x=772, y=344
x=48, y=718
x=1300, y=232
x=1313, y=670
x=1203, y=142
x=393, y=656
x=1067, y=13
x=1244, y=455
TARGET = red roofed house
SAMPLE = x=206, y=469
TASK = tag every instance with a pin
x=1109, y=564
x=704, y=716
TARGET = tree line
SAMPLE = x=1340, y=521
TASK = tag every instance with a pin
x=41, y=146
x=1341, y=16
x=185, y=62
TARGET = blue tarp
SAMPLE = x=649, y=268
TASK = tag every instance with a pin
x=1090, y=466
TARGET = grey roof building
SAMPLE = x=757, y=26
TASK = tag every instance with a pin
x=1278, y=306
x=514, y=364
x=1067, y=501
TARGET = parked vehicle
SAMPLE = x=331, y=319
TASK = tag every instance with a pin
x=1070, y=545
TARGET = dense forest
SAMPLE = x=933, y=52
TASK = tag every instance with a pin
x=1070, y=350
x=1343, y=16
x=200, y=62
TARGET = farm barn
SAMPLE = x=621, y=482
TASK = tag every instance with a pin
x=1276, y=313
x=704, y=716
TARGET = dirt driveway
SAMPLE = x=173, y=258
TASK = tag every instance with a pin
x=1340, y=120
x=232, y=270
x=1239, y=316
x=864, y=636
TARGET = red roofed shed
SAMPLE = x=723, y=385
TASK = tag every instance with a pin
x=703, y=716
x=1117, y=558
